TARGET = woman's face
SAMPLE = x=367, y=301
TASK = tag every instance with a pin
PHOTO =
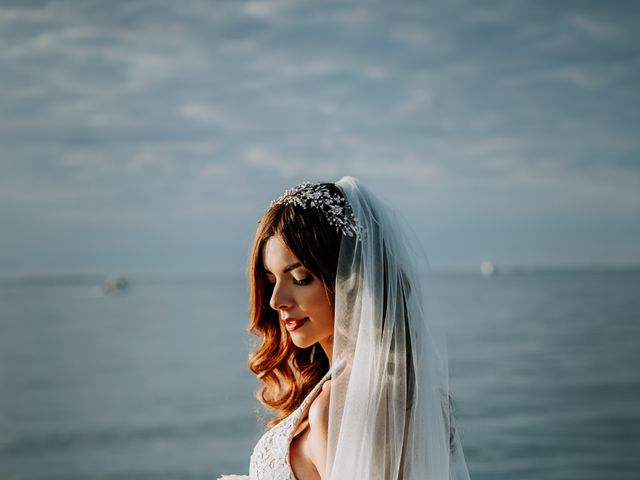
x=303, y=305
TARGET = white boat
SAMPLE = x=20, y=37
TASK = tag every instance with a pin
x=487, y=268
x=115, y=284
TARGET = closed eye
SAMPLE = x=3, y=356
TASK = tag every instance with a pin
x=271, y=278
x=304, y=281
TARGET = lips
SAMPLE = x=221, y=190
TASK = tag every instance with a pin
x=292, y=324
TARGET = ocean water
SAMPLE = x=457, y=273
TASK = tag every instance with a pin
x=152, y=383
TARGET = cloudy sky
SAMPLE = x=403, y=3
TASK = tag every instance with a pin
x=149, y=136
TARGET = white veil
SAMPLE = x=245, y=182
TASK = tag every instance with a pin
x=390, y=415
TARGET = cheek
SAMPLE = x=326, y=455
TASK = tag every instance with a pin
x=325, y=310
x=320, y=306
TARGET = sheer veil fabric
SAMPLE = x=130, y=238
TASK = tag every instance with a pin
x=390, y=415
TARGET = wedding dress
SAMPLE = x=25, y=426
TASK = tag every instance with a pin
x=270, y=458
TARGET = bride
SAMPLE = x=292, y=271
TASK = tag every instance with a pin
x=353, y=363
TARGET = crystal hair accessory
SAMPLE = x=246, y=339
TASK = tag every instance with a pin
x=333, y=206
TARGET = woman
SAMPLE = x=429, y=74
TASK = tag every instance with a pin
x=352, y=363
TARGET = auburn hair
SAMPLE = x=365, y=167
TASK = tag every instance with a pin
x=287, y=372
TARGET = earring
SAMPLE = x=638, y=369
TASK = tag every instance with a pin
x=313, y=353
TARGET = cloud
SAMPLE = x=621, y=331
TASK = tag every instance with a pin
x=204, y=111
x=263, y=157
x=266, y=10
x=597, y=28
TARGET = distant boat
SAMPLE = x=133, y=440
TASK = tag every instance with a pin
x=115, y=284
x=487, y=268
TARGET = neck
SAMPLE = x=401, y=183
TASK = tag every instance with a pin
x=327, y=346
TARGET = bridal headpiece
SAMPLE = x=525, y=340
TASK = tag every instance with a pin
x=333, y=206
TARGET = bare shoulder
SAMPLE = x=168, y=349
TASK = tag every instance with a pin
x=319, y=428
x=319, y=409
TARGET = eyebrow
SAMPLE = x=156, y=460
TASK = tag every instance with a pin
x=286, y=269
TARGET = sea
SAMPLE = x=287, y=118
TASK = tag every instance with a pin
x=151, y=382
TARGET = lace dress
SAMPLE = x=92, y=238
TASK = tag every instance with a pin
x=270, y=458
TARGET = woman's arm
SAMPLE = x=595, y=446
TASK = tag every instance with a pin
x=319, y=430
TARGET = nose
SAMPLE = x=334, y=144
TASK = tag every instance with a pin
x=280, y=297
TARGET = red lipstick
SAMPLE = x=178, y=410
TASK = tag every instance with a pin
x=292, y=324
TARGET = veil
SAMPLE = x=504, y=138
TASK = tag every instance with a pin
x=390, y=413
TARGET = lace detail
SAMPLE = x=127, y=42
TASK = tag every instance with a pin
x=270, y=458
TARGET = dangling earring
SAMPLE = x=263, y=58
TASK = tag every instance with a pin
x=313, y=353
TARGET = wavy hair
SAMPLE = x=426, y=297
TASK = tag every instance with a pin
x=287, y=372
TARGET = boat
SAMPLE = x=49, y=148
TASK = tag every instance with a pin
x=487, y=268
x=115, y=284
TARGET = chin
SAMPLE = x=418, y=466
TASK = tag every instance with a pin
x=302, y=342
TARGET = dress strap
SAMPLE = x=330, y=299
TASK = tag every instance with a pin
x=335, y=369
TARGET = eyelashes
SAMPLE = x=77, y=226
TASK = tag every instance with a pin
x=302, y=282
x=305, y=281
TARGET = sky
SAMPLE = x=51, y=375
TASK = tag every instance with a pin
x=149, y=136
